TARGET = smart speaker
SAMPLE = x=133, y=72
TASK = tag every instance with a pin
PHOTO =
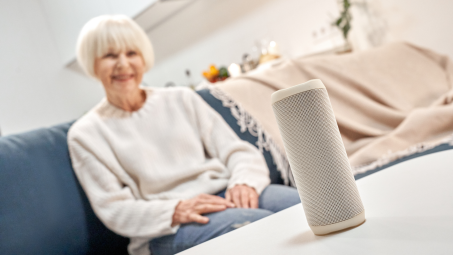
x=318, y=158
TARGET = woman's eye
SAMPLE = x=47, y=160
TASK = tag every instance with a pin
x=110, y=55
x=131, y=53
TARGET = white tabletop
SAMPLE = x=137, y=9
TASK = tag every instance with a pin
x=408, y=207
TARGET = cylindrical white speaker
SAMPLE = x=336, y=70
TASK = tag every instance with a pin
x=318, y=158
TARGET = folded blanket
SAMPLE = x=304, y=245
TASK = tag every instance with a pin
x=386, y=100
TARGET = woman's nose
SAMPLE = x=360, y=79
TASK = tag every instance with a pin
x=122, y=60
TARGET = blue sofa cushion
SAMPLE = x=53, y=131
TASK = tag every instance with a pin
x=43, y=209
x=225, y=112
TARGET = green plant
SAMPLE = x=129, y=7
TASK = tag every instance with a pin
x=344, y=21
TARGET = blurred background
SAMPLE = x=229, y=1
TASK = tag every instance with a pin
x=42, y=84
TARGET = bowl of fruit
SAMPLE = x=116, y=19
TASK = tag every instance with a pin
x=214, y=75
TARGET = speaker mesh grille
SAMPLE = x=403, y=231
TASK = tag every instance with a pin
x=317, y=158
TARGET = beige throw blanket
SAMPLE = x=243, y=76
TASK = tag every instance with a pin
x=385, y=100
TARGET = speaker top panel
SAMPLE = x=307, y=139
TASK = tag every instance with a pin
x=284, y=93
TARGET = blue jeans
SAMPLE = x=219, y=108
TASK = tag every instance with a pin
x=273, y=199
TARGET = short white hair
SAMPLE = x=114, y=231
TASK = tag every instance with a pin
x=106, y=32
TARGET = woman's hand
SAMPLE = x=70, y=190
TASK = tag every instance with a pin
x=242, y=196
x=191, y=210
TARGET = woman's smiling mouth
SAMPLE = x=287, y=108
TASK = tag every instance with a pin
x=122, y=77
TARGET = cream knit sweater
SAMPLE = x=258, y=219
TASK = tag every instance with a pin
x=136, y=167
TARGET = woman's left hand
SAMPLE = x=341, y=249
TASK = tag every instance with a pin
x=242, y=196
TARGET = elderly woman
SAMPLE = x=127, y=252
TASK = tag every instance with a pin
x=159, y=165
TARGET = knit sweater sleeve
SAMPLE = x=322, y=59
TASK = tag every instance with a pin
x=113, y=201
x=246, y=163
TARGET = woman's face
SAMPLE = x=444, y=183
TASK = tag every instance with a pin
x=120, y=71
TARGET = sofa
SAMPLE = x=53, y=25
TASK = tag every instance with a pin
x=44, y=210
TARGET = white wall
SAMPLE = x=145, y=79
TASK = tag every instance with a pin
x=425, y=23
x=35, y=88
x=220, y=31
